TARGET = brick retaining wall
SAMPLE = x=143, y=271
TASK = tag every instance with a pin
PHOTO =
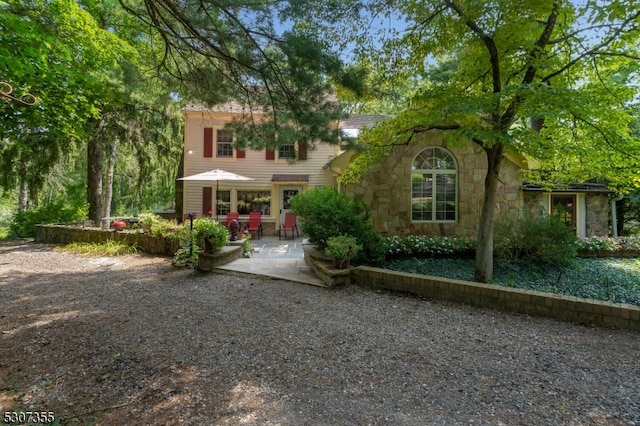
x=563, y=308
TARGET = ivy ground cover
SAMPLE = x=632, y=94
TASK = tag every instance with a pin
x=606, y=279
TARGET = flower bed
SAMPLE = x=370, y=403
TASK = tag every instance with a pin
x=609, y=247
x=433, y=246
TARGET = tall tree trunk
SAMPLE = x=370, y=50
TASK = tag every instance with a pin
x=484, y=250
x=23, y=197
x=94, y=176
x=111, y=167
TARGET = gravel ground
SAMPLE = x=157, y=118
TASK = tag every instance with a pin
x=131, y=340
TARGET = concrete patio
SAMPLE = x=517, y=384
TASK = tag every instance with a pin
x=282, y=259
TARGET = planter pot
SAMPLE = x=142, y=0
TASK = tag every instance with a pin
x=119, y=225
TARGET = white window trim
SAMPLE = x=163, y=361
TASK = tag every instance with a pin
x=286, y=159
x=215, y=145
x=435, y=172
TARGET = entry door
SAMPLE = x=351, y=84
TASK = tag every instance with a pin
x=286, y=192
x=564, y=207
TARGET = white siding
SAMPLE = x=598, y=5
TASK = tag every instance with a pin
x=253, y=165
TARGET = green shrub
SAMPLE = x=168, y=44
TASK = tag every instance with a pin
x=542, y=239
x=148, y=218
x=186, y=257
x=209, y=230
x=326, y=213
x=165, y=229
x=427, y=246
x=23, y=224
x=342, y=247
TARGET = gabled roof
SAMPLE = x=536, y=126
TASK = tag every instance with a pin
x=359, y=121
x=231, y=106
x=350, y=127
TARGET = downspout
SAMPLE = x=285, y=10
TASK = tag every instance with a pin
x=328, y=166
x=614, y=215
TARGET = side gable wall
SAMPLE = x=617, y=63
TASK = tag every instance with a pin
x=386, y=187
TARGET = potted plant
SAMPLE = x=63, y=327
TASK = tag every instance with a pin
x=147, y=220
x=119, y=224
x=212, y=233
x=342, y=248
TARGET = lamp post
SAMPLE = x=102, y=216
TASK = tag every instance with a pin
x=6, y=93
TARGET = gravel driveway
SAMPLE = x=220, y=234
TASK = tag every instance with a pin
x=131, y=340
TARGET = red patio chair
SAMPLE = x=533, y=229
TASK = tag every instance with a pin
x=290, y=223
x=230, y=217
x=255, y=224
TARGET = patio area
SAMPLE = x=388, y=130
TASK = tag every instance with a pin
x=275, y=258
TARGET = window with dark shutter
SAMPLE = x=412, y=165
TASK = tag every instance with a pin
x=224, y=143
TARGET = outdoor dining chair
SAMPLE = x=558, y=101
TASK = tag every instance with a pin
x=255, y=224
x=231, y=216
x=290, y=223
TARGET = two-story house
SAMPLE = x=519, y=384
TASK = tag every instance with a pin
x=208, y=145
x=425, y=188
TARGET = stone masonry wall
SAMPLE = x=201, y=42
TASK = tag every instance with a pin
x=386, y=187
x=597, y=217
x=596, y=210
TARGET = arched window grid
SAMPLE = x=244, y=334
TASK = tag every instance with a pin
x=434, y=186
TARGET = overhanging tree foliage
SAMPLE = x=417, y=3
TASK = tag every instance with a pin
x=221, y=50
x=85, y=60
x=543, y=78
x=54, y=50
x=138, y=133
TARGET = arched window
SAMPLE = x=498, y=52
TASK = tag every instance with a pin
x=434, y=187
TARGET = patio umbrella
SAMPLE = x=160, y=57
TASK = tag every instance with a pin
x=216, y=175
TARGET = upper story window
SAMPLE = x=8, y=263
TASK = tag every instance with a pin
x=434, y=189
x=287, y=151
x=224, y=143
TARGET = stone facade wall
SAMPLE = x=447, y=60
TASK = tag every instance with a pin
x=597, y=214
x=596, y=210
x=386, y=187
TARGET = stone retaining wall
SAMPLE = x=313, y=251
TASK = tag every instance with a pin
x=322, y=266
x=208, y=261
x=65, y=234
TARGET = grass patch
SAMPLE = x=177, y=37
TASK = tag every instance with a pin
x=606, y=279
x=108, y=248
